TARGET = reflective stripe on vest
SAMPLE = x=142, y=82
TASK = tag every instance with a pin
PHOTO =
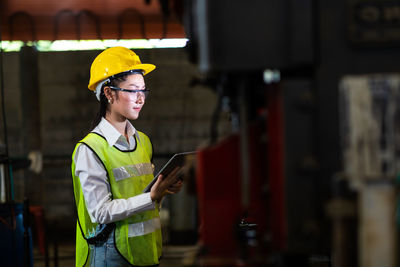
x=139, y=169
x=144, y=228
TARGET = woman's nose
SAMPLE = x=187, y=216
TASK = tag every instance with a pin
x=139, y=98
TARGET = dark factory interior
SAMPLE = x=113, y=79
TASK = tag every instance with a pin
x=290, y=106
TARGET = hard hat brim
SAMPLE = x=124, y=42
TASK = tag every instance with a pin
x=147, y=68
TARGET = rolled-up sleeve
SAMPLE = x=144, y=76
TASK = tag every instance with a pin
x=101, y=207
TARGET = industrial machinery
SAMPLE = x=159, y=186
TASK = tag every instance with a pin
x=241, y=180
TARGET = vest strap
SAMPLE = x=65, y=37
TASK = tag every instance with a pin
x=103, y=235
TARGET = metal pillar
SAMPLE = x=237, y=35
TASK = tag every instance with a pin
x=30, y=103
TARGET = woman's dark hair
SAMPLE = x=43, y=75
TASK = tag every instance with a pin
x=102, y=111
x=114, y=81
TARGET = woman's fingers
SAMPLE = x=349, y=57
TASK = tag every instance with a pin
x=168, y=184
x=171, y=178
x=157, y=183
x=175, y=188
x=173, y=173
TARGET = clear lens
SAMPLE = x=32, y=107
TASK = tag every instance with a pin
x=142, y=93
x=138, y=93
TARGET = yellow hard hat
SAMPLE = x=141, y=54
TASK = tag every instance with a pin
x=113, y=61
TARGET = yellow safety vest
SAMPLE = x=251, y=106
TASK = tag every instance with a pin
x=137, y=238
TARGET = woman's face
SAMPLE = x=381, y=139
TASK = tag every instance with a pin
x=128, y=104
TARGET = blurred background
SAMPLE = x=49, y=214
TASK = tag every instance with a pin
x=291, y=105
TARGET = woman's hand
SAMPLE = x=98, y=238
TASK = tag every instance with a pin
x=169, y=185
x=175, y=187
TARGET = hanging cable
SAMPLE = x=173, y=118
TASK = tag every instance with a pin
x=3, y=110
x=13, y=224
x=130, y=13
x=30, y=22
x=90, y=15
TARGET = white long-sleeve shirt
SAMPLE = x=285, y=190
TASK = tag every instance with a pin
x=95, y=186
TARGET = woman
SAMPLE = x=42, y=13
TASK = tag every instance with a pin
x=118, y=225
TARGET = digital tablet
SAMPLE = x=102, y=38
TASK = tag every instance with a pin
x=177, y=160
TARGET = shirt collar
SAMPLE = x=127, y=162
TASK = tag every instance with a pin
x=111, y=134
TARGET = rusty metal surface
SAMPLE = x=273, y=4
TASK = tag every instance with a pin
x=369, y=110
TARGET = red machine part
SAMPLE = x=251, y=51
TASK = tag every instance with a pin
x=275, y=129
x=219, y=192
x=219, y=187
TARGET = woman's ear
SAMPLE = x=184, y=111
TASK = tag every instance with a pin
x=108, y=94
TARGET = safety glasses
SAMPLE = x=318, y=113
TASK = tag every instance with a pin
x=138, y=93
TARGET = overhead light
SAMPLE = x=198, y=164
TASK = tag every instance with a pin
x=77, y=45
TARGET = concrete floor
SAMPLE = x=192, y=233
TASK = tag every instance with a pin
x=173, y=256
